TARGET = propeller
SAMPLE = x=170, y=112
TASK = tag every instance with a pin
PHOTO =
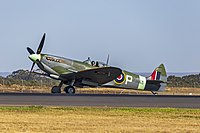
x=36, y=57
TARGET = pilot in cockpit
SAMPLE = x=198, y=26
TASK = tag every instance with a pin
x=93, y=63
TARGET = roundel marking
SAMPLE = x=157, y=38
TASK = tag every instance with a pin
x=120, y=79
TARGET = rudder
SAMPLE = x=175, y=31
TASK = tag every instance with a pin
x=159, y=74
x=158, y=79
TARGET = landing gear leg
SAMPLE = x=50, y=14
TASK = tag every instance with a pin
x=154, y=93
x=57, y=89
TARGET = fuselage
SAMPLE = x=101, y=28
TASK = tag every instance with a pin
x=56, y=65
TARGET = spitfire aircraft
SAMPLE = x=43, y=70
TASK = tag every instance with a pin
x=89, y=73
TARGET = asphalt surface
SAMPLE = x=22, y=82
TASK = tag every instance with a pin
x=105, y=100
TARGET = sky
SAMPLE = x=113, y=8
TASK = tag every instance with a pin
x=138, y=34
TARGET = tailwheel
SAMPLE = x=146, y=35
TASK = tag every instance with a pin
x=69, y=90
x=154, y=93
x=55, y=89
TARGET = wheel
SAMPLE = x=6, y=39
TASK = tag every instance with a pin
x=55, y=89
x=154, y=93
x=69, y=89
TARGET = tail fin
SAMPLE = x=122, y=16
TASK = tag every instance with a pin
x=158, y=79
x=159, y=74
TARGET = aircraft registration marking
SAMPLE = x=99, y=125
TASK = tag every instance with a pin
x=53, y=59
x=142, y=83
x=129, y=78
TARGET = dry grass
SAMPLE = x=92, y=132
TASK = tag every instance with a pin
x=183, y=91
x=169, y=90
x=51, y=119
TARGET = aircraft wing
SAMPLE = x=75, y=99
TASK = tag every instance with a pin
x=99, y=76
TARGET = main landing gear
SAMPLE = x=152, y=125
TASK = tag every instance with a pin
x=69, y=90
x=57, y=89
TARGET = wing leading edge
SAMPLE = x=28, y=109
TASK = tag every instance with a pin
x=97, y=75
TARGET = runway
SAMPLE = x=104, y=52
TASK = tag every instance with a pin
x=95, y=100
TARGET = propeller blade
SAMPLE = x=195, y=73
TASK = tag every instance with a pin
x=31, y=71
x=41, y=45
x=107, y=61
x=40, y=64
x=30, y=50
x=32, y=67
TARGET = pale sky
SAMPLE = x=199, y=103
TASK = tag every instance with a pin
x=138, y=34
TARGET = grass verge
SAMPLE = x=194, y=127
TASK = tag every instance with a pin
x=86, y=119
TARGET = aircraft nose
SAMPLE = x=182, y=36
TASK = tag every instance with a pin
x=35, y=57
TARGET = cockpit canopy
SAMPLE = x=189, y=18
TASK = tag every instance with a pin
x=95, y=63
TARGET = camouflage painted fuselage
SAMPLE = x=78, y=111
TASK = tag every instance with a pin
x=128, y=80
x=55, y=66
x=59, y=65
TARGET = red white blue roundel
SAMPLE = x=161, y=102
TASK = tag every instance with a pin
x=120, y=79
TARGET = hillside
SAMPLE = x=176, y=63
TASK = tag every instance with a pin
x=23, y=77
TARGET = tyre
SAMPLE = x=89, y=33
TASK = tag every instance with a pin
x=55, y=89
x=69, y=90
